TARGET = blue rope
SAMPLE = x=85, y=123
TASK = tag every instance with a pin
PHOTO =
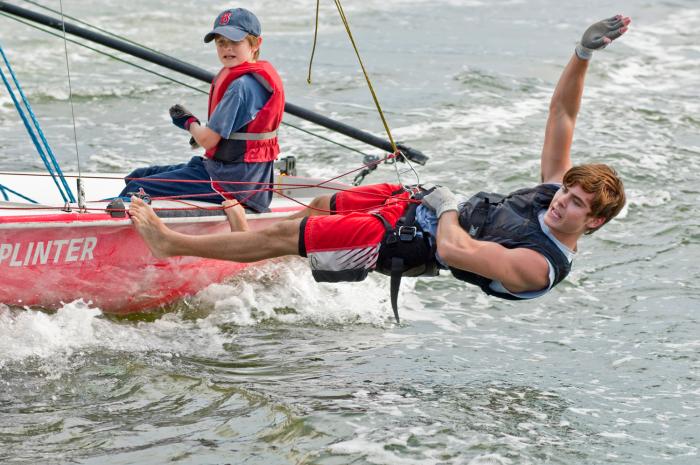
x=5, y=190
x=58, y=174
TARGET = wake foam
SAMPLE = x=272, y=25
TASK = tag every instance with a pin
x=285, y=291
x=281, y=292
x=77, y=327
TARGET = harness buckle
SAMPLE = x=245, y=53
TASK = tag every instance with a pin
x=416, y=191
x=407, y=233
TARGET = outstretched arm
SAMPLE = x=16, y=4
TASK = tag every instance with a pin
x=563, y=109
x=566, y=100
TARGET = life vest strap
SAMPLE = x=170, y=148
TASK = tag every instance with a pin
x=252, y=135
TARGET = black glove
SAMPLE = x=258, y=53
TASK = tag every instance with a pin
x=600, y=34
x=182, y=117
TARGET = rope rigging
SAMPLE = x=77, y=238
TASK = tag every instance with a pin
x=34, y=129
x=370, y=162
x=81, y=193
x=266, y=187
x=398, y=155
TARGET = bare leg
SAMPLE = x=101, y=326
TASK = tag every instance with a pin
x=235, y=213
x=280, y=239
x=318, y=206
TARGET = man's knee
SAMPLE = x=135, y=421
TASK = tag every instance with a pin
x=321, y=205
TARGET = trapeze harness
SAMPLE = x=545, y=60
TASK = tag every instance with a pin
x=511, y=221
x=256, y=141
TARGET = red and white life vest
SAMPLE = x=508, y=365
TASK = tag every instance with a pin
x=257, y=141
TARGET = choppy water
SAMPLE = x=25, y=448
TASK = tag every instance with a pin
x=271, y=368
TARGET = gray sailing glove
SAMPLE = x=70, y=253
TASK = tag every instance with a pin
x=600, y=34
x=441, y=200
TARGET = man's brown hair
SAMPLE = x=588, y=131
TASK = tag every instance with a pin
x=603, y=182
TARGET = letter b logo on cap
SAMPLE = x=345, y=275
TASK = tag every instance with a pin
x=225, y=18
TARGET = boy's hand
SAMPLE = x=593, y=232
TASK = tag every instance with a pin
x=182, y=117
x=600, y=34
x=441, y=200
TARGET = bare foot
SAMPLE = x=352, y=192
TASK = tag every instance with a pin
x=149, y=226
x=236, y=215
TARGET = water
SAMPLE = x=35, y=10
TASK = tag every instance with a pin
x=271, y=368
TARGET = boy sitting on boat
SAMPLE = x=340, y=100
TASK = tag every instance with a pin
x=246, y=104
x=517, y=246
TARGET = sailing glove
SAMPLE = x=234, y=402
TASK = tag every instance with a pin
x=182, y=117
x=600, y=34
x=441, y=200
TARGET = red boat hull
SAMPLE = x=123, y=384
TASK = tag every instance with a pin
x=55, y=259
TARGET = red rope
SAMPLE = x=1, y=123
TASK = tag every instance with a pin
x=251, y=192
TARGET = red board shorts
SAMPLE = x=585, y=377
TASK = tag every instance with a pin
x=344, y=246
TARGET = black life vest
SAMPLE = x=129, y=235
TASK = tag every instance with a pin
x=511, y=221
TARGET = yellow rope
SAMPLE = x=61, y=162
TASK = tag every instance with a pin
x=313, y=49
x=364, y=71
x=359, y=58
